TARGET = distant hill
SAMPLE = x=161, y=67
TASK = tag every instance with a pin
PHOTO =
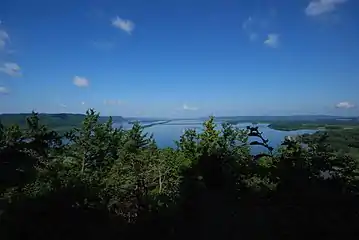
x=297, y=122
x=293, y=118
x=57, y=121
x=114, y=119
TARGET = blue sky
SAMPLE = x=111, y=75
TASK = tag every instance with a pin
x=180, y=58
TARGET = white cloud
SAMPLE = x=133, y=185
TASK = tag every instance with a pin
x=12, y=69
x=345, y=105
x=81, y=81
x=123, y=24
x=4, y=38
x=318, y=7
x=188, y=108
x=4, y=90
x=112, y=102
x=272, y=40
x=82, y=103
x=63, y=106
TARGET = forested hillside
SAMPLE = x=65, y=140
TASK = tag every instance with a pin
x=115, y=184
x=58, y=121
x=341, y=140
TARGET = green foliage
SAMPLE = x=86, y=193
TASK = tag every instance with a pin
x=109, y=182
x=343, y=141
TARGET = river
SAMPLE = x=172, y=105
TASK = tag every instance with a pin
x=166, y=134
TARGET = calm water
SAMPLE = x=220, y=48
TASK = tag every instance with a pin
x=167, y=134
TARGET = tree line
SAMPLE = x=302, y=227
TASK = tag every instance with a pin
x=115, y=183
x=60, y=122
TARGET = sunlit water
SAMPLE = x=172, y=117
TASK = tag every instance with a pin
x=166, y=134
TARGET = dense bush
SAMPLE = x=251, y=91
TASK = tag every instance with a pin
x=110, y=182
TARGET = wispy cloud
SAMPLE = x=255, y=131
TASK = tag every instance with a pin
x=4, y=90
x=112, y=102
x=81, y=81
x=318, y=7
x=11, y=69
x=272, y=40
x=82, y=103
x=4, y=38
x=253, y=36
x=188, y=108
x=256, y=27
x=63, y=106
x=248, y=27
x=123, y=24
x=247, y=23
x=345, y=105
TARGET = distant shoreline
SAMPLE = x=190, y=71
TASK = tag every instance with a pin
x=311, y=126
x=64, y=122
